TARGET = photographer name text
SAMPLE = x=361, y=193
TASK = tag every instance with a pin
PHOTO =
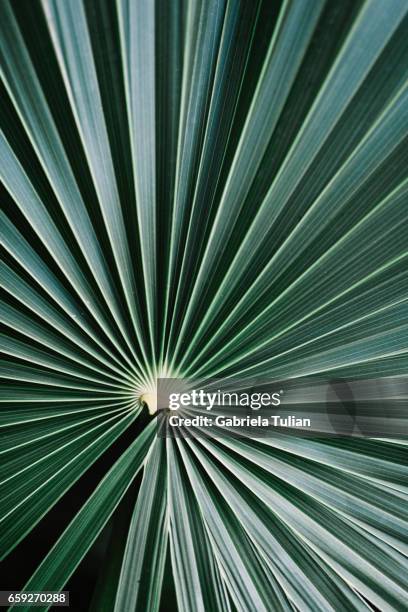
x=236, y=421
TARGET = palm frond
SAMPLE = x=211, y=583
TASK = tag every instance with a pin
x=204, y=190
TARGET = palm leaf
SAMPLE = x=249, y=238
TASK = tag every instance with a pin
x=206, y=190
